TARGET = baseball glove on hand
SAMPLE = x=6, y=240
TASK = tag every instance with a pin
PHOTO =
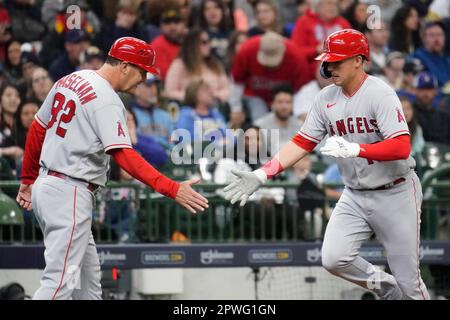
x=244, y=186
x=339, y=148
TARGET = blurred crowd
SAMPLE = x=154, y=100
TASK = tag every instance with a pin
x=224, y=65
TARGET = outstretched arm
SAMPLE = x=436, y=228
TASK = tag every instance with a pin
x=396, y=148
x=137, y=167
x=289, y=154
x=248, y=182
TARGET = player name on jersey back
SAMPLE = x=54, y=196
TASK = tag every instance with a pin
x=80, y=86
x=84, y=119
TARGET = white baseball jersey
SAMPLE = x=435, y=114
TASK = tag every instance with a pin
x=372, y=114
x=84, y=118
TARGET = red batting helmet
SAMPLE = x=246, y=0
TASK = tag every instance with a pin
x=135, y=51
x=344, y=44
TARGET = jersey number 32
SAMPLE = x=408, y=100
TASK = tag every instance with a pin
x=59, y=103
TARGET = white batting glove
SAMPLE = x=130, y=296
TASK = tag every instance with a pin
x=338, y=147
x=244, y=186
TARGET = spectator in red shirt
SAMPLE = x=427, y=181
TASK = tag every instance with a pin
x=168, y=43
x=261, y=64
x=314, y=27
x=5, y=32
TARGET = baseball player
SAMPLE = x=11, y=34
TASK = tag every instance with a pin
x=80, y=124
x=369, y=137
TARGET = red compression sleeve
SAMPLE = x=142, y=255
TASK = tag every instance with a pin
x=303, y=143
x=272, y=168
x=136, y=166
x=397, y=148
x=32, y=154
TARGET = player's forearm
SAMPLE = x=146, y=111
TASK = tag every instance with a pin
x=288, y=155
x=397, y=148
x=32, y=154
x=130, y=161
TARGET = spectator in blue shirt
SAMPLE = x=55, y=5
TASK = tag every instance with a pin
x=146, y=145
x=199, y=116
x=76, y=41
x=432, y=54
x=151, y=118
x=434, y=122
x=332, y=176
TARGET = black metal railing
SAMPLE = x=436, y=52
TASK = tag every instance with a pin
x=148, y=217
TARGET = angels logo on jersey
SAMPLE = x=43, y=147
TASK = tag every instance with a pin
x=400, y=116
x=331, y=131
x=352, y=125
x=120, y=131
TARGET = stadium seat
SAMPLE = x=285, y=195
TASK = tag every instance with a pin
x=6, y=172
x=10, y=213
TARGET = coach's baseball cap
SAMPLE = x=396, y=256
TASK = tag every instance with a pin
x=425, y=80
x=135, y=51
x=271, y=49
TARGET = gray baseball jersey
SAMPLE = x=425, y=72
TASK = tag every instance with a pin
x=84, y=118
x=374, y=113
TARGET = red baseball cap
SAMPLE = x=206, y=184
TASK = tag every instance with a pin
x=344, y=44
x=135, y=51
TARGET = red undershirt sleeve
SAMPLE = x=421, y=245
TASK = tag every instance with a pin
x=32, y=154
x=303, y=143
x=137, y=167
x=397, y=148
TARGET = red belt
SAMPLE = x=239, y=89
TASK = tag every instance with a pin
x=386, y=186
x=91, y=186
